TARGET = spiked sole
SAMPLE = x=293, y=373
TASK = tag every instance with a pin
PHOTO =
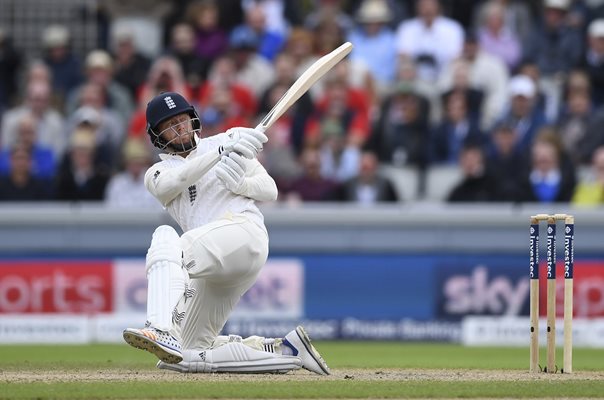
x=142, y=342
x=311, y=350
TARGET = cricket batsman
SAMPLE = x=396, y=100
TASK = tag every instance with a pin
x=209, y=186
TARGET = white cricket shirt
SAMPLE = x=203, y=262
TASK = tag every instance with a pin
x=206, y=200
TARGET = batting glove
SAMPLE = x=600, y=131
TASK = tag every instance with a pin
x=245, y=141
x=231, y=172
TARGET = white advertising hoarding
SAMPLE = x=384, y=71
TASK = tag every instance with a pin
x=514, y=331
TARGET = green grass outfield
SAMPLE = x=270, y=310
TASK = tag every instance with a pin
x=361, y=370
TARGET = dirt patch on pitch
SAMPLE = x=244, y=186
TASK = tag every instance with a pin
x=122, y=375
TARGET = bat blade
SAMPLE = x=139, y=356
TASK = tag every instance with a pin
x=303, y=83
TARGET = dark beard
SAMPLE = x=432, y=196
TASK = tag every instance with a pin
x=181, y=148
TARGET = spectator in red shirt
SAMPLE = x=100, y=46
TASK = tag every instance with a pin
x=223, y=75
x=221, y=113
x=165, y=75
x=339, y=128
x=294, y=122
x=347, y=106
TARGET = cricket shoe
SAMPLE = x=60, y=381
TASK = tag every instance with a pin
x=301, y=346
x=162, y=344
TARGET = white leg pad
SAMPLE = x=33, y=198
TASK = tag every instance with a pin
x=271, y=345
x=234, y=357
x=166, y=277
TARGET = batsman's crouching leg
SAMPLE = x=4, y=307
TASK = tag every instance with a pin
x=234, y=357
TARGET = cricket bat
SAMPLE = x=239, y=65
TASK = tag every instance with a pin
x=303, y=83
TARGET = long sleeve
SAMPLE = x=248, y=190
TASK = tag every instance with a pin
x=166, y=181
x=260, y=186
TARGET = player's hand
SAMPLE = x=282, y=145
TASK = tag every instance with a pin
x=245, y=141
x=230, y=170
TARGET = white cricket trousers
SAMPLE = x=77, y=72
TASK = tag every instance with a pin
x=223, y=259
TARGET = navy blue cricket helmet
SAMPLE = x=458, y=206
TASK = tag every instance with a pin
x=165, y=106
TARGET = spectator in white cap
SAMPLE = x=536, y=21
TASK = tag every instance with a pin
x=593, y=62
x=521, y=85
x=66, y=69
x=523, y=115
x=99, y=70
x=107, y=123
x=374, y=42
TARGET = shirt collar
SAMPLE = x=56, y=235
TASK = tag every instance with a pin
x=165, y=156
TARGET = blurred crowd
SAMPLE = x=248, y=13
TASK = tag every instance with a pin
x=509, y=94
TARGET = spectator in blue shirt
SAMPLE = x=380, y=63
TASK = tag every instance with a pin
x=523, y=115
x=456, y=130
x=555, y=46
x=65, y=67
x=551, y=177
x=269, y=43
x=43, y=162
x=20, y=184
x=374, y=42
